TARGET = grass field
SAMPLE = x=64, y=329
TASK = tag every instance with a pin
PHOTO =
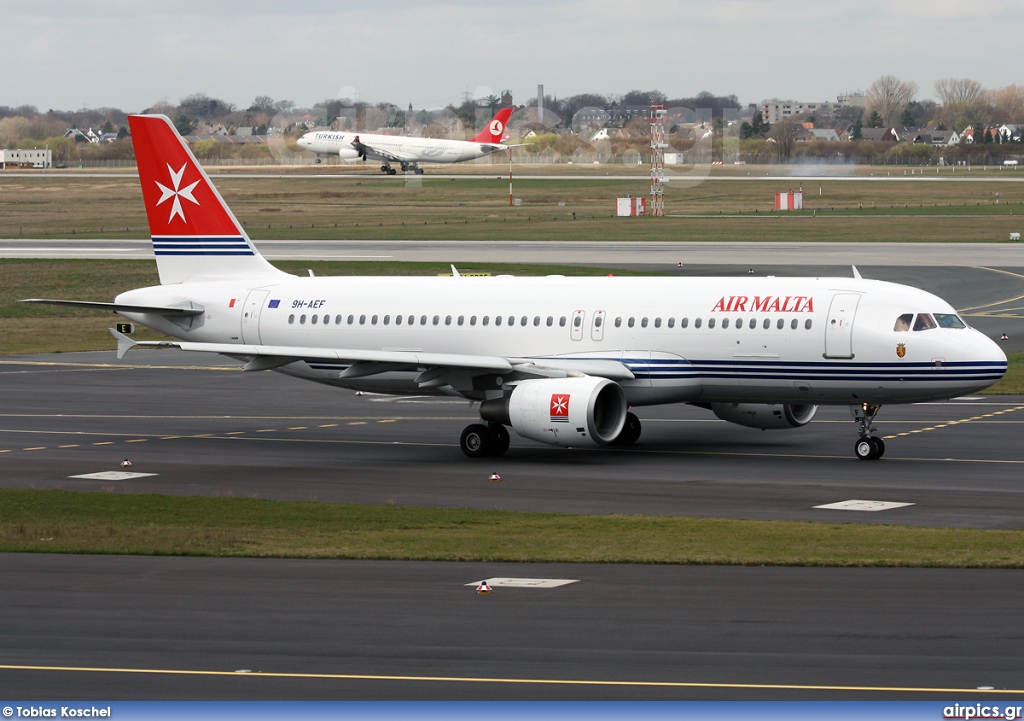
x=64, y=522
x=474, y=208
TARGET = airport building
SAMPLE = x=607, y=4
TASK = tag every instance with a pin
x=34, y=158
x=775, y=110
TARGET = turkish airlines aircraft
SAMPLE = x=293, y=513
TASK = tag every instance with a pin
x=559, y=360
x=405, y=150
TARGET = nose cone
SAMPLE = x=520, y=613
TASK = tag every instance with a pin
x=303, y=142
x=986, y=354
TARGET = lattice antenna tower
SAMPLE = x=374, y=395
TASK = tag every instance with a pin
x=658, y=146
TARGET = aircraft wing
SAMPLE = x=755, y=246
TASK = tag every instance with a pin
x=435, y=368
x=378, y=153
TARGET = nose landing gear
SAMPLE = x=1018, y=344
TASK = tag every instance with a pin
x=868, y=447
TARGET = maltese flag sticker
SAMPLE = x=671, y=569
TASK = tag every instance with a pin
x=559, y=408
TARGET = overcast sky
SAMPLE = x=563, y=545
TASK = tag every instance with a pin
x=130, y=54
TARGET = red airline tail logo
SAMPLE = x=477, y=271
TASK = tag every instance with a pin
x=495, y=130
x=176, y=192
x=179, y=198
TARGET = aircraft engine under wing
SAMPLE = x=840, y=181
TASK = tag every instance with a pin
x=765, y=416
x=581, y=411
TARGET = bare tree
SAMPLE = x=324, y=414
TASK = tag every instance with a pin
x=784, y=134
x=1007, y=103
x=889, y=97
x=963, y=102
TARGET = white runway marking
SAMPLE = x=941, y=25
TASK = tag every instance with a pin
x=113, y=475
x=857, y=505
x=525, y=582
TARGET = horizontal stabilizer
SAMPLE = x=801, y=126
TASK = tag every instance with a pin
x=172, y=311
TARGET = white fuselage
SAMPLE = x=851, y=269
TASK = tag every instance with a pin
x=397, y=147
x=772, y=340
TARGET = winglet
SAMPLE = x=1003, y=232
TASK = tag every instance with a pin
x=124, y=343
x=455, y=272
x=856, y=273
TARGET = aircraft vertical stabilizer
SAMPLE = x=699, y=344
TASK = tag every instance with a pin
x=495, y=130
x=195, y=235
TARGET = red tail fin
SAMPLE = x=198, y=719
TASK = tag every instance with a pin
x=195, y=234
x=495, y=130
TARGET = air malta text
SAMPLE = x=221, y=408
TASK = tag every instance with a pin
x=765, y=304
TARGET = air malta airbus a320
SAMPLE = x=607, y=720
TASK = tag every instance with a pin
x=559, y=360
x=405, y=150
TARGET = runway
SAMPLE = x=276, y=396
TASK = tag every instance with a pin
x=790, y=258
x=121, y=628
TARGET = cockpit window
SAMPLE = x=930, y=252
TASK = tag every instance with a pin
x=903, y=322
x=949, y=320
x=924, y=322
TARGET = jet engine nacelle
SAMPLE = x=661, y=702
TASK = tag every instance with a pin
x=583, y=411
x=349, y=154
x=765, y=415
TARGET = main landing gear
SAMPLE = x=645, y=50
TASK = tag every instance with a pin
x=406, y=167
x=479, y=440
x=868, y=447
x=630, y=432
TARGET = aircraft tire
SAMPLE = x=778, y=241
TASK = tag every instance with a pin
x=477, y=441
x=869, y=448
x=500, y=439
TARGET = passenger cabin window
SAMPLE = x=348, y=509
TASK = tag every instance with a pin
x=337, y=320
x=398, y=320
x=671, y=322
x=696, y=323
x=561, y=322
x=767, y=323
x=924, y=322
x=711, y=322
x=725, y=323
x=793, y=324
x=618, y=321
x=807, y=324
x=685, y=322
x=291, y=319
x=903, y=322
